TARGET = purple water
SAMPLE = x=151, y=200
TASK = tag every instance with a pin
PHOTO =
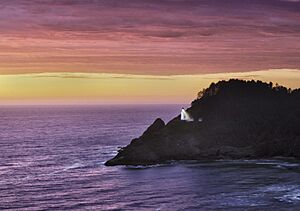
x=52, y=158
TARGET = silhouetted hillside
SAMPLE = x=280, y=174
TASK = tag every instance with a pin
x=241, y=119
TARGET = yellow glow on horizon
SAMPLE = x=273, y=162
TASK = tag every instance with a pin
x=100, y=88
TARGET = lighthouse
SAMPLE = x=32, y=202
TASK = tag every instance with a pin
x=185, y=116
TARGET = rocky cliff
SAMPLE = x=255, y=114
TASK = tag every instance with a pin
x=240, y=119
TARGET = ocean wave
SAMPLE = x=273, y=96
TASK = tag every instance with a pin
x=74, y=166
x=146, y=167
x=292, y=196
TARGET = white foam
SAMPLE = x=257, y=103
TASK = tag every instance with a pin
x=74, y=166
x=292, y=196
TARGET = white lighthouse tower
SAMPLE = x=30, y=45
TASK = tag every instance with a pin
x=185, y=116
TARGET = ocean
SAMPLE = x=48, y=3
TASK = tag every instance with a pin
x=52, y=158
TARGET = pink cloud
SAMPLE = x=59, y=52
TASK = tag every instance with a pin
x=157, y=37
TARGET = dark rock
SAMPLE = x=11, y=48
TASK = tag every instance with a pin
x=241, y=119
x=156, y=126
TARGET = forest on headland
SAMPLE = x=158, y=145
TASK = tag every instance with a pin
x=240, y=119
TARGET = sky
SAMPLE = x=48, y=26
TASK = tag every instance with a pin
x=142, y=51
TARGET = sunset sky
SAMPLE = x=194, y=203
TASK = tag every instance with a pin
x=142, y=51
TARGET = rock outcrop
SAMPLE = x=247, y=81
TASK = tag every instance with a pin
x=240, y=119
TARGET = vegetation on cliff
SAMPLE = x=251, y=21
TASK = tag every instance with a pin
x=240, y=119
